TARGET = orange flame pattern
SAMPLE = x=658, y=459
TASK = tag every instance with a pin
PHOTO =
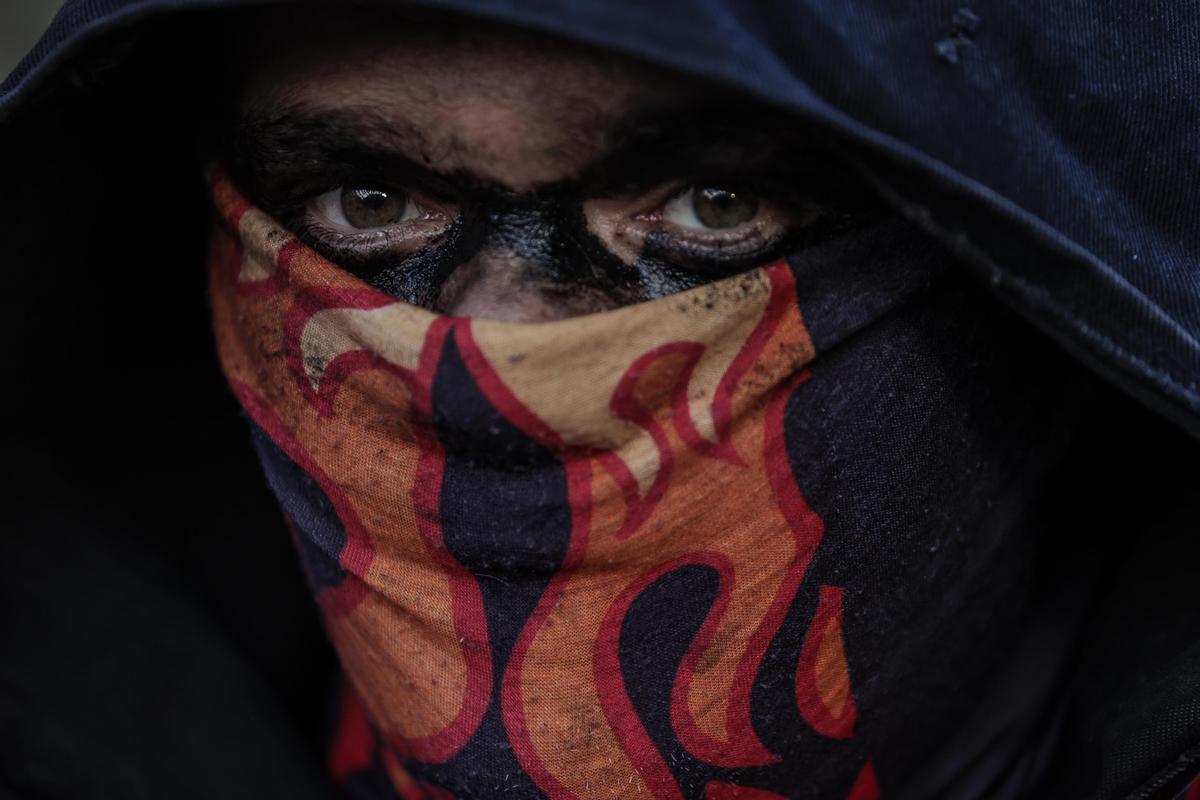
x=668, y=419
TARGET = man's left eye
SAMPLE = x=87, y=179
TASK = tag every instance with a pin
x=705, y=224
x=710, y=208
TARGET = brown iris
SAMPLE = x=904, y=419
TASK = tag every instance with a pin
x=722, y=208
x=373, y=208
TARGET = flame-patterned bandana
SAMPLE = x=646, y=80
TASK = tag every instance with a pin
x=577, y=558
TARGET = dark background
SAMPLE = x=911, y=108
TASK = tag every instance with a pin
x=21, y=23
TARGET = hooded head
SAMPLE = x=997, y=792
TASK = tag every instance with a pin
x=488, y=172
x=636, y=414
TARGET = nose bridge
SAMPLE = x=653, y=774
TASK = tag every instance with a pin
x=499, y=284
x=527, y=233
x=522, y=260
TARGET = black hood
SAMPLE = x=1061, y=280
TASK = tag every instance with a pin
x=1053, y=150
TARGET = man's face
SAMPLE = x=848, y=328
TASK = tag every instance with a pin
x=489, y=173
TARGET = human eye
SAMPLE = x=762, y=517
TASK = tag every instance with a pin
x=718, y=224
x=726, y=219
x=711, y=208
x=366, y=208
x=708, y=226
x=364, y=220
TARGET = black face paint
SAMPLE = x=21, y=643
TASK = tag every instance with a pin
x=544, y=231
x=547, y=234
x=283, y=162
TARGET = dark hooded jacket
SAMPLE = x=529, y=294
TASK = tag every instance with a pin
x=156, y=644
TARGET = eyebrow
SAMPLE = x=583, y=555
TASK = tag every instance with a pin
x=285, y=146
x=289, y=146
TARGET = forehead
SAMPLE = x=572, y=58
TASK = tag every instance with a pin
x=514, y=107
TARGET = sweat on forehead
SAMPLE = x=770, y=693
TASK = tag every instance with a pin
x=513, y=107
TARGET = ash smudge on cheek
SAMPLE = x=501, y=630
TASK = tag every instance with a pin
x=420, y=278
x=664, y=267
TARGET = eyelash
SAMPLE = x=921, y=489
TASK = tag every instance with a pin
x=366, y=243
x=743, y=246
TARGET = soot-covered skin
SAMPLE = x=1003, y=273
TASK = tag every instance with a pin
x=538, y=180
x=540, y=236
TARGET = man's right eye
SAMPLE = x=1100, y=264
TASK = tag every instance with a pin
x=359, y=222
x=365, y=208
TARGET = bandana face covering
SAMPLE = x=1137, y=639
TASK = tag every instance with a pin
x=579, y=559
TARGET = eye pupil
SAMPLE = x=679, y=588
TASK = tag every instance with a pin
x=721, y=208
x=373, y=208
